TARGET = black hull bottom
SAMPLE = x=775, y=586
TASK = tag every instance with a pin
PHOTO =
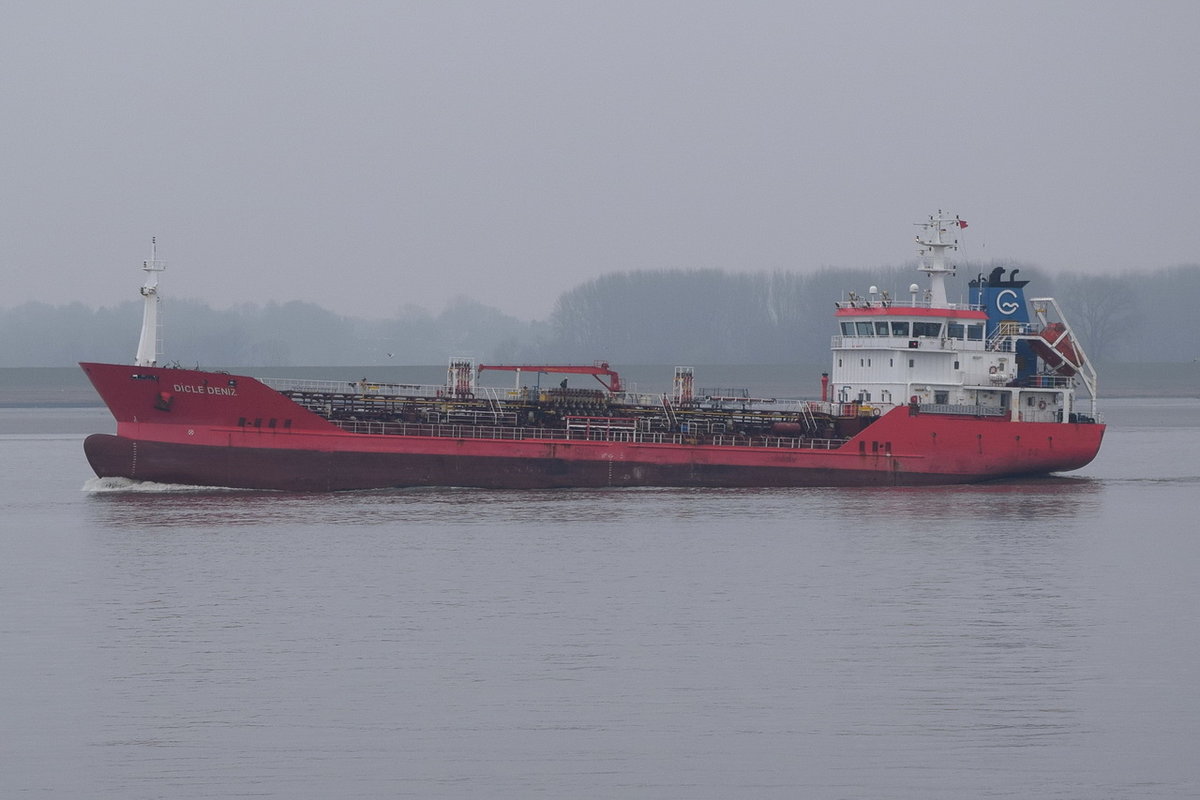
x=310, y=470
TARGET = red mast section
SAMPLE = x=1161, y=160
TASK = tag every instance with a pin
x=599, y=370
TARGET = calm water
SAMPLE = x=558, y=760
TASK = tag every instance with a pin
x=1023, y=639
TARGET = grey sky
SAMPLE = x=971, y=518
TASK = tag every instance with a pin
x=365, y=156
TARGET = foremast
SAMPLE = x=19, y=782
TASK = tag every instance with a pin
x=147, y=351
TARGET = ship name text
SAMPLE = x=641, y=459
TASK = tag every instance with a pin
x=187, y=388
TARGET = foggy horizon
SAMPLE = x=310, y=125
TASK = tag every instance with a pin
x=366, y=158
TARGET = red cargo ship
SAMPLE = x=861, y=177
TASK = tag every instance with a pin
x=922, y=391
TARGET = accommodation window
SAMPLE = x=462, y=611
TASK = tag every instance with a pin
x=956, y=365
x=912, y=362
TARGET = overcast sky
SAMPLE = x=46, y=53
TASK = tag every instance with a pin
x=366, y=156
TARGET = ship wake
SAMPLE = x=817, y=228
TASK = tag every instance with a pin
x=130, y=486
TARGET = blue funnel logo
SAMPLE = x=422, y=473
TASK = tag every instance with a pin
x=1003, y=299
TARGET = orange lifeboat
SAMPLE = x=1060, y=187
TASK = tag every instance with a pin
x=1058, y=350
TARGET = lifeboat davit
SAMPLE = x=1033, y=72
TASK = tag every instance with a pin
x=1057, y=351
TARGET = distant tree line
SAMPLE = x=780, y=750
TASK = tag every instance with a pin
x=786, y=318
x=646, y=317
x=287, y=334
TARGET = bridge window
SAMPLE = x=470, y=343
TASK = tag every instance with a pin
x=881, y=329
x=865, y=329
x=956, y=330
x=931, y=330
x=900, y=329
x=975, y=332
x=847, y=329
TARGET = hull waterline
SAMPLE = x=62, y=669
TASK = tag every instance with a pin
x=226, y=438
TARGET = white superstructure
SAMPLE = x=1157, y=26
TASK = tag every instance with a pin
x=986, y=357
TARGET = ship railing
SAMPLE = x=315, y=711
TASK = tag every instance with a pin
x=309, y=386
x=354, y=388
x=1047, y=382
x=722, y=393
x=963, y=409
x=904, y=343
x=1007, y=334
x=1055, y=415
x=588, y=425
x=482, y=417
x=638, y=398
x=907, y=302
x=1036, y=415
x=594, y=434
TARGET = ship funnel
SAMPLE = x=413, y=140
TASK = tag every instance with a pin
x=1008, y=314
x=1002, y=298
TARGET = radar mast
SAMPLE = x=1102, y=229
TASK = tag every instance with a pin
x=933, y=255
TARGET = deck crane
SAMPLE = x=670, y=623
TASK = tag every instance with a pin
x=598, y=370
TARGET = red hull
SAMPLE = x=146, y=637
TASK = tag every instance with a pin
x=203, y=428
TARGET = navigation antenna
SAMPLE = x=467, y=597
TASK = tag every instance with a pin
x=148, y=344
x=933, y=253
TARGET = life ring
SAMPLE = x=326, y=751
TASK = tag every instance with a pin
x=992, y=371
x=1042, y=405
x=875, y=412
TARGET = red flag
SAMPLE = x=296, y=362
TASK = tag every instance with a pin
x=962, y=223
